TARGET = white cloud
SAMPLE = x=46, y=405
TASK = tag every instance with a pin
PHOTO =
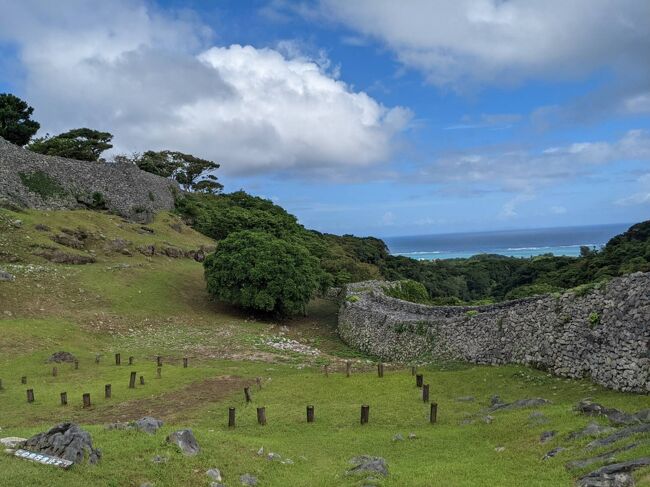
x=558, y=210
x=641, y=197
x=460, y=42
x=154, y=80
x=521, y=170
x=388, y=218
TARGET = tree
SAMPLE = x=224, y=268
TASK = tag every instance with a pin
x=191, y=172
x=16, y=125
x=83, y=144
x=258, y=271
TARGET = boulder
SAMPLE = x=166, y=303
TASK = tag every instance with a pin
x=614, y=475
x=214, y=474
x=366, y=464
x=186, y=441
x=60, y=357
x=248, y=479
x=620, y=435
x=12, y=441
x=148, y=424
x=592, y=429
x=67, y=441
x=5, y=276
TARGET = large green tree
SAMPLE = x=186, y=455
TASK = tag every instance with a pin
x=256, y=270
x=16, y=124
x=83, y=144
x=191, y=172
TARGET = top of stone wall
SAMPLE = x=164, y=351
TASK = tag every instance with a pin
x=125, y=189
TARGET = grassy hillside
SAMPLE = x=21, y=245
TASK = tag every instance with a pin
x=143, y=305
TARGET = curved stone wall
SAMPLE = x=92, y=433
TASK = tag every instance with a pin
x=604, y=334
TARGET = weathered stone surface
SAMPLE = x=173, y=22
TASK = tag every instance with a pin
x=12, y=441
x=520, y=404
x=606, y=480
x=616, y=474
x=592, y=429
x=59, y=257
x=186, y=441
x=125, y=189
x=553, y=452
x=59, y=357
x=67, y=441
x=248, y=479
x=547, y=436
x=214, y=474
x=549, y=332
x=5, y=276
x=148, y=424
x=608, y=456
x=620, y=435
x=366, y=464
x=615, y=416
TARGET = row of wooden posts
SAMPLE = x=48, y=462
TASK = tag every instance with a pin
x=261, y=411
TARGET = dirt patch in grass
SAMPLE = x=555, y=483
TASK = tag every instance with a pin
x=171, y=406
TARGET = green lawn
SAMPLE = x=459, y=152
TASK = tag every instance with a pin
x=158, y=306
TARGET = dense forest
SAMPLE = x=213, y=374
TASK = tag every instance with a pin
x=480, y=279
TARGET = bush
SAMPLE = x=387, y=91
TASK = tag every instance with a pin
x=42, y=184
x=408, y=290
x=258, y=271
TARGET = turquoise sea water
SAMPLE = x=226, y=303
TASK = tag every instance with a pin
x=513, y=243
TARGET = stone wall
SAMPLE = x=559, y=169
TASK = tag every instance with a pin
x=603, y=334
x=121, y=188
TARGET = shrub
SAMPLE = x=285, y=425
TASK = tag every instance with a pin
x=42, y=184
x=594, y=319
x=408, y=290
x=258, y=271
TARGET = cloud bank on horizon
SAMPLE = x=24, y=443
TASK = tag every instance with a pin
x=347, y=112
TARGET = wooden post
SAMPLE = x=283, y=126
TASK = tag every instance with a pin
x=258, y=381
x=185, y=363
x=64, y=399
x=97, y=357
x=142, y=380
x=86, y=400
x=132, y=380
x=310, y=414
x=380, y=369
x=107, y=391
x=159, y=361
x=231, y=417
x=158, y=373
x=326, y=370
x=348, y=368
x=55, y=371
x=365, y=414
x=413, y=370
x=1, y=388
x=130, y=360
x=30, y=395
x=419, y=378
x=425, y=392
x=433, y=416
x=261, y=415
x=76, y=365
x=23, y=379
x=118, y=359
x=247, y=394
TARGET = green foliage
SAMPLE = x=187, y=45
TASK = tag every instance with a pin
x=531, y=290
x=192, y=173
x=471, y=313
x=352, y=299
x=42, y=184
x=594, y=319
x=83, y=144
x=408, y=290
x=16, y=124
x=258, y=271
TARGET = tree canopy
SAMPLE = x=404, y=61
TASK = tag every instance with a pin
x=192, y=173
x=16, y=124
x=258, y=271
x=83, y=144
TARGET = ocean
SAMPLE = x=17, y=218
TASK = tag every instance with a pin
x=513, y=243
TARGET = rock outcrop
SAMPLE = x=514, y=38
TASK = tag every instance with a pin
x=603, y=334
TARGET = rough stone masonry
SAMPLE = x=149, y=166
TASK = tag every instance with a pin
x=121, y=188
x=603, y=335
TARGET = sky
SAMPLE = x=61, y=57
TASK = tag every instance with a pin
x=369, y=117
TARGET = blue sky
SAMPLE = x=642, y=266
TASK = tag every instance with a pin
x=366, y=117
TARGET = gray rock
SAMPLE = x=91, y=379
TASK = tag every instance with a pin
x=412, y=436
x=248, y=479
x=537, y=417
x=615, y=416
x=608, y=456
x=186, y=441
x=619, y=435
x=592, y=429
x=5, y=276
x=273, y=456
x=487, y=419
x=614, y=475
x=148, y=424
x=521, y=404
x=60, y=357
x=398, y=437
x=12, y=441
x=553, y=452
x=67, y=441
x=214, y=474
x=365, y=464
x=159, y=459
x=547, y=436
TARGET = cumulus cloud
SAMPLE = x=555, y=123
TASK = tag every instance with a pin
x=641, y=197
x=524, y=171
x=155, y=80
x=460, y=42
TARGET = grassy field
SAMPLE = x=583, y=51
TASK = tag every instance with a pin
x=145, y=306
